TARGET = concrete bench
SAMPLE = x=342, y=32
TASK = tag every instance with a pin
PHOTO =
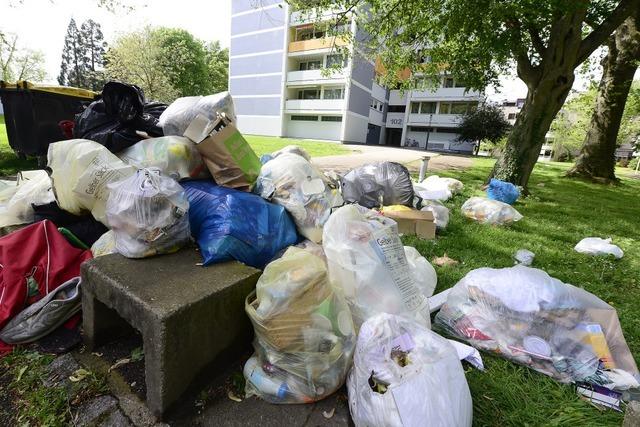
x=191, y=318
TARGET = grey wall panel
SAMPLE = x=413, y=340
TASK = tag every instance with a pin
x=259, y=64
x=362, y=71
x=266, y=85
x=359, y=101
x=257, y=106
x=259, y=20
x=263, y=42
x=238, y=6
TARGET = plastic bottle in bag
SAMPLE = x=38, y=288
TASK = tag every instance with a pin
x=148, y=214
x=367, y=262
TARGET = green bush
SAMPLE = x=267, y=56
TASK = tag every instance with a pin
x=633, y=163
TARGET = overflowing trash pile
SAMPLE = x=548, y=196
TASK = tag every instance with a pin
x=340, y=298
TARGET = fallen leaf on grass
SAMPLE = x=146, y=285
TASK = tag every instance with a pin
x=233, y=397
x=119, y=363
x=21, y=373
x=329, y=414
x=444, y=260
x=79, y=375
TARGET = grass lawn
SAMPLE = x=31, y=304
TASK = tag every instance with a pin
x=556, y=216
x=9, y=163
x=268, y=144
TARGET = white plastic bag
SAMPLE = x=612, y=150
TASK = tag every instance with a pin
x=524, y=257
x=293, y=182
x=81, y=170
x=178, y=116
x=405, y=375
x=148, y=214
x=32, y=187
x=304, y=334
x=435, y=188
x=487, y=211
x=598, y=246
x=175, y=156
x=440, y=212
x=367, y=262
x=423, y=272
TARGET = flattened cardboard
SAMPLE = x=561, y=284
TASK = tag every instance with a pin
x=414, y=222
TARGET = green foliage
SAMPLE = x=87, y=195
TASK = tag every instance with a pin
x=630, y=126
x=17, y=63
x=485, y=123
x=633, y=163
x=168, y=63
x=569, y=128
x=83, y=56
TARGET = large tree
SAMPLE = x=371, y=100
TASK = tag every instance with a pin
x=19, y=64
x=478, y=39
x=94, y=49
x=597, y=156
x=71, y=68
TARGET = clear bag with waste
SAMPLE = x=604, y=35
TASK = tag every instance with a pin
x=179, y=115
x=378, y=184
x=304, y=334
x=31, y=188
x=175, y=156
x=81, y=171
x=423, y=272
x=367, y=262
x=148, y=214
x=405, y=375
x=292, y=149
x=440, y=212
x=526, y=316
x=293, y=182
x=598, y=246
x=492, y=212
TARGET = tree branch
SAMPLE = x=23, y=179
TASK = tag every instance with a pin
x=526, y=70
x=538, y=44
x=597, y=37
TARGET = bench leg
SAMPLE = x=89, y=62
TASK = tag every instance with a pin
x=100, y=323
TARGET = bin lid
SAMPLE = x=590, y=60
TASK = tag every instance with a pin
x=62, y=90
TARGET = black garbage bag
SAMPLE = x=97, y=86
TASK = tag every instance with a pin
x=84, y=227
x=115, y=119
x=378, y=184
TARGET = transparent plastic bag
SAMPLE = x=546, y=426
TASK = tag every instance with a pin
x=526, y=316
x=148, y=214
x=406, y=375
x=436, y=188
x=294, y=183
x=367, y=262
x=304, y=334
x=175, y=156
x=105, y=245
x=598, y=246
x=423, y=272
x=81, y=170
x=178, y=116
x=292, y=149
x=440, y=212
x=378, y=184
x=487, y=211
x=32, y=187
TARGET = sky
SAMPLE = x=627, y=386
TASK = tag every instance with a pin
x=42, y=25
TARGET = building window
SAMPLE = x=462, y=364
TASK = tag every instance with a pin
x=397, y=108
x=376, y=105
x=457, y=107
x=423, y=107
x=309, y=94
x=331, y=118
x=333, y=93
x=511, y=116
x=336, y=61
x=422, y=129
x=459, y=84
x=309, y=33
x=304, y=118
x=447, y=82
x=310, y=65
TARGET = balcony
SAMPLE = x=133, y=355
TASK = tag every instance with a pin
x=395, y=120
x=315, y=77
x=300, y=18
x=446, y=94
x=445, y=120
x=316, y=44
x=375, y=117
x=397, y=98
x=314, y=105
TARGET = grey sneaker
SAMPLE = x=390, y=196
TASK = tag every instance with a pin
x=44, y=316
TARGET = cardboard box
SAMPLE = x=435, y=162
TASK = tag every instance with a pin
x=227, y=155
x=414, y=222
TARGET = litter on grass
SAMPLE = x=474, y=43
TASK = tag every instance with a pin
x=492, y=212
x=598, y=246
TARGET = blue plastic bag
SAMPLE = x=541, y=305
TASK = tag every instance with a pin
x=502, y=191
x=230, y=224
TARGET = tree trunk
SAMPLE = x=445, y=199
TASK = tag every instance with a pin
x=597, y=156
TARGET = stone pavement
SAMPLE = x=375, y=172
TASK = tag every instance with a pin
x=363, y=154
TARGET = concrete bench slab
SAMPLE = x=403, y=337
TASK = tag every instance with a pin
x=191, y=317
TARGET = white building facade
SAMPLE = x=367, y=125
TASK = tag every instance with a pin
x=280, y=87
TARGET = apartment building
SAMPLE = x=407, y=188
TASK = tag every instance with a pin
x=278, y=77
x=511, y=109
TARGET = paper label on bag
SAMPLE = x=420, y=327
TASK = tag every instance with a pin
x=311, y=187
x=389, y=249
x=99, y=172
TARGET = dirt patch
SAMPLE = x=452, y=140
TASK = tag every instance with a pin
x=132, y=372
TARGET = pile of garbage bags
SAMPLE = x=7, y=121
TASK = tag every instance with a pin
x=525, y=315
x=304, y=334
